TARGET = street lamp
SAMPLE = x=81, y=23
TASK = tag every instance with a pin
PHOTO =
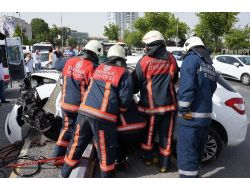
x=20, y=27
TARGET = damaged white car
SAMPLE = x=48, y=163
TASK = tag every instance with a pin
x=33, y=110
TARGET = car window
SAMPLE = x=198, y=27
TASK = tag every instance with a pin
x=224, y=83
x=232, y=60
x=222, y=59
x=245, y=60
x=45, y=56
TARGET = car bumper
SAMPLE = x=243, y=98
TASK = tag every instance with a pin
x=238, y=131
x=13, y=131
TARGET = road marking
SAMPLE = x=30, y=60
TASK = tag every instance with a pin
x=209, y=174
x=23, y=152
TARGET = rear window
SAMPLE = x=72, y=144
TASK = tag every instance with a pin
x=224, y=83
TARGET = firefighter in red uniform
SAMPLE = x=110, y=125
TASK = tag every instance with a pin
x=110, y=92
x=76, y=77
x=153, y=78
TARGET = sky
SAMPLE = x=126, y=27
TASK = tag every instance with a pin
x=94, y=22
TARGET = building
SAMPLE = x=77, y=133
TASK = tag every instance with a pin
x=125, y=20
x=11, y=22
x=80, y=37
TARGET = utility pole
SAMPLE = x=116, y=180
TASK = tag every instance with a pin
x=177, y=32
x=20, y=27
x=62, y=30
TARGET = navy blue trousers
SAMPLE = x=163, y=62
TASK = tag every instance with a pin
x=190, y=146
x=105, y=136
x=164, y=125
x=69, y=121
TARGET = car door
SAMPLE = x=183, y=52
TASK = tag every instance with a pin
x=232, y=70
x=220, y=64
x=15, y=58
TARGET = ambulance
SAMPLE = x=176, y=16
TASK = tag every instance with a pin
x=13, y=60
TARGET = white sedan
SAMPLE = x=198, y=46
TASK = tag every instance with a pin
x=234, y=66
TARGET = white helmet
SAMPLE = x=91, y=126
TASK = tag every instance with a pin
x=94, y=46
x=152, y=36
x=191, y=42
x=117, y=51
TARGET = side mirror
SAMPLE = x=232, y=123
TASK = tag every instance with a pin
x=236, y=64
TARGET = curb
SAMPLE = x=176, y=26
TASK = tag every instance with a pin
x=23, y=152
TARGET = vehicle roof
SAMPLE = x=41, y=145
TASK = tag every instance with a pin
x=42, y=44
x=174, y=48
x=26, y=51
x=233, y=55
x=112, y=43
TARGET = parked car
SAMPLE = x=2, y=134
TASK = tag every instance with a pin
x=229, y=124
x=177, y=53
x=234, y=66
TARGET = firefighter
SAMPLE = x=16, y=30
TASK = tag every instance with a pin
x=197, y=85
x=109, y=93
x=154, y=77
x=76, y=77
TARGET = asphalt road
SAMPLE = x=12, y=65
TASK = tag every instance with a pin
x=233, y=161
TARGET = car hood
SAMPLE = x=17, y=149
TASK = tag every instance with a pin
x=50, y=74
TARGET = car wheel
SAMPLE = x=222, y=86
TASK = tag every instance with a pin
x=213, y=146
x=245, y=79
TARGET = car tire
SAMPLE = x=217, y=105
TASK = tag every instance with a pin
x=245, y=79
x=213, y=146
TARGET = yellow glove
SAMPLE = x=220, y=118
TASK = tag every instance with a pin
x=187, y=116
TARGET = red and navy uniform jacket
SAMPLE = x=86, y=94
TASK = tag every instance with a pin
x=110, y=91
x=131, y=120
x=76, y=77
x=153, y=77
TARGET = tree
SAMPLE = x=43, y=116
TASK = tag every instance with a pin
x=238, y=38
x=111, y=32
x=40, y=29
x=53, y=35
x=133, y=38
x=214, y=25
x=166, y=23
x=72, y=42
x=19, y=33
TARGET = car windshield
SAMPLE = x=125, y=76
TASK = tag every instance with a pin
x=177, y=53
x=45, y=56
x=41, y=48
x=224, y=83
x=245, y=60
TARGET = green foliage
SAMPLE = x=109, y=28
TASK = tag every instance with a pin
x=214, y=25
x=53, y=35
x=238, y=38
x=133, y=38
x=40, y=30
x=72, y=42
x=19, y=33
x=111, y=32
x=164, y=22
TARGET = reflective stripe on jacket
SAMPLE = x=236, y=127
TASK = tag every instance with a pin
x=197, y=85
x=154, y=80
x=110, y=90
x=76, y=77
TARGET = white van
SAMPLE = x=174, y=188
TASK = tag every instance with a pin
x=42, y=46
x=13, y=60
